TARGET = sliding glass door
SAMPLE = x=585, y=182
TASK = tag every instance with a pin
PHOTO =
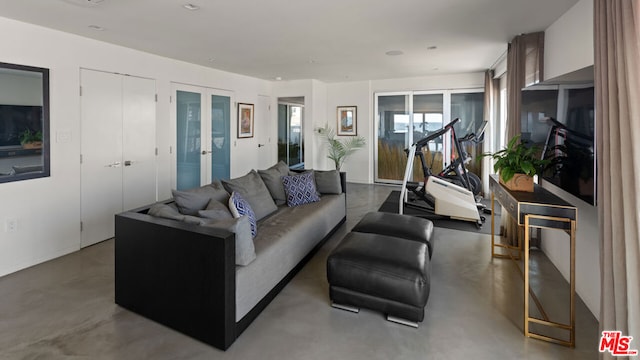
x=403, y=118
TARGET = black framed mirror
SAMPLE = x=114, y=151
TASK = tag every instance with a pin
x=24, y=122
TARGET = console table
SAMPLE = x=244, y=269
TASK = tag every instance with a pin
x=543, y=210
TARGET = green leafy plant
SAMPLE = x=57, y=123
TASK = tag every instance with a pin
x=28, y=137
x=517, y=158
x=339, y=151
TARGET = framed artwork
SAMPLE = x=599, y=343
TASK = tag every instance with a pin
x=347, y=121
x=245, y=120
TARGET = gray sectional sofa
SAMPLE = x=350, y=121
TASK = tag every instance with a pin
x=184, y=270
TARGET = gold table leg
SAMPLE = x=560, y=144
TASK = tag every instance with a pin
x=528, y=319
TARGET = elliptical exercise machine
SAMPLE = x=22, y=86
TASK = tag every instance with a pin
x=452, y=192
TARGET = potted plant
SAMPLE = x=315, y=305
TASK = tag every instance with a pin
x=517, y=164
x=339, y=151
x=31, y=140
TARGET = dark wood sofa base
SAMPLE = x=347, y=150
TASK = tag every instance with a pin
x=183, y=276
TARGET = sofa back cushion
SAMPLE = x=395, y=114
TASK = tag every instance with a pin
x=167, y=211
x=328, y=182
x=189, y=203
x=272, y=178
x=254, y=191
x=216, y=210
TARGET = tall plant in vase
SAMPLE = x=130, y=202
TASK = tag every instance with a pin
x=340, y=150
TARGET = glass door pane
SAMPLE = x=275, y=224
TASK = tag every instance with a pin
x=220, y=138
x=188, y=141
x=283, y=134
x=428, y=117
x=469, y=107
x=393, y=113
x=290, y=135
x=296, y=147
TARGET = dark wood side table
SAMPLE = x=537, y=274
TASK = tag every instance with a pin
x=543, y=210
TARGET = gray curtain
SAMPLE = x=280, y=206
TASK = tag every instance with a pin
x=525, y=59
x=617, y=85
x=491, y=103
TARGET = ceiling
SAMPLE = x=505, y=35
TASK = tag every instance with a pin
x=328, y=40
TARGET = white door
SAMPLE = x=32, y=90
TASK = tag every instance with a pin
x=263, y=130
x=118, y=170
x=139, y=142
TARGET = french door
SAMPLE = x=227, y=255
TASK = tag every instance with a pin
x=202, y=118
x=118, y=149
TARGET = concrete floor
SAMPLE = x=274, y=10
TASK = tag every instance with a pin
x=64, y=309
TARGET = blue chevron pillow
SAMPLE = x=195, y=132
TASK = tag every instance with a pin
x=239, y=207
x=300, y=189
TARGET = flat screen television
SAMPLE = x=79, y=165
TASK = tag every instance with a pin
x=565, y=134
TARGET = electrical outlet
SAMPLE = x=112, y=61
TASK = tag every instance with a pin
x=11, y=225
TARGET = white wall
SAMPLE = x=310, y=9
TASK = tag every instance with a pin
x=48, y=209
x=569, y=47
x=568, y=43
x=359, y=167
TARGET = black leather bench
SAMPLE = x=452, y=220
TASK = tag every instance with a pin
x=383, y=264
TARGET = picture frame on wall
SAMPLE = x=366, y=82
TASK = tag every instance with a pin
x=245, y=120
x=347, y=121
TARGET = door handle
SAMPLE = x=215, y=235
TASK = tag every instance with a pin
x=113, y=165
x=128, y=163
x=261, y=145
x=205, y=152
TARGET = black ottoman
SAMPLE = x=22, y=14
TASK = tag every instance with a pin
x=383, y=264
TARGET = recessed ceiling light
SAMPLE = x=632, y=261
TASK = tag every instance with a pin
x=278, y=78
x=394, y=52
x=96, y=28
x=432, y=47
x=191, y=7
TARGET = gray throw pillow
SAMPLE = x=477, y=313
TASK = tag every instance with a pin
x=215, y=210
x=215, y=191
x=165, y=211
x=245, y=249
x=190, y=219
x=254, y=191
x=328, y=182
x=189, y=203
x=272, y=178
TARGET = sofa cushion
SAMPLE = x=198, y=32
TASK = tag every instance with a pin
x=165, y=211
x=195, y=220
x=300, y=189
x=328, y=182
x=215, y=191
x=241, y=207
x=272, y=178
x=216, y=210
x=189, y=203
x=253, y=189
x=241, y=227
